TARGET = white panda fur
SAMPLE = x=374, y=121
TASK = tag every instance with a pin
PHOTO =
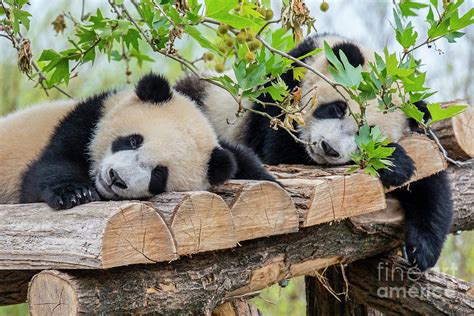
x=330, y=135
x=119, y=145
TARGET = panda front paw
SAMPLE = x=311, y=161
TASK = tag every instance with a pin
x=65, y=196
x=422, y=251
x=402, y=170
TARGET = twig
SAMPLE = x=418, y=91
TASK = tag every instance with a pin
x=82, y=10
x=445, y=153
x=333, y=84
x=177, y=58
x=84, y=53
x=15, y=43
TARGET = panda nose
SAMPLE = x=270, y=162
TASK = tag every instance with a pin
x=116, y=180
x=328, y=150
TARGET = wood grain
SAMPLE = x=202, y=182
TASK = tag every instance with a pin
x=259, y=208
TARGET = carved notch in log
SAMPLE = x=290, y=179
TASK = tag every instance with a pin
x=259, y=208
x=97, y=235
x=199, y=221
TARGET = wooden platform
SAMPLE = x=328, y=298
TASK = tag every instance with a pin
x=110, y=234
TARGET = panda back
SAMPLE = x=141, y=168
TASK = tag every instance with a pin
x=23, y=135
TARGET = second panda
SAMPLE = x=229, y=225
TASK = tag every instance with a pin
x=115, y=145
x=329, y=133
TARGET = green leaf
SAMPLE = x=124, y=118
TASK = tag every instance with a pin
x=349, y=76
x=451, y=37
x=49, y=54
x=439, y=113
x=456, y=23
x=407, y=37
x=407, y=7
x=20, y=16
x=412, y=111
x=197, y=35
x=219, y=10
x=311, y=53
x=61, y=72
x=298, y=73
x=332, y=58
x=278, y=90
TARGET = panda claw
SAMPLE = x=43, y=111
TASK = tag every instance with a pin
x=79, y=195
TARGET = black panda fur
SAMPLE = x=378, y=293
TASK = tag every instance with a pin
x=427, y=203
x=60, y=176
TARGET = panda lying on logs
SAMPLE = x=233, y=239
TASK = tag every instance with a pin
x=116, y=145
x=329, y=133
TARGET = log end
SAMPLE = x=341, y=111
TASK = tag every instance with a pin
x=339, y=197
x=261, y=209
x=51, y=293
x=136, y=234
x=202, y=222
x=425, y=154
x=463, y=126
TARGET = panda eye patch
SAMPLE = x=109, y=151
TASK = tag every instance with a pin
x=130, y=142
x=332, y=110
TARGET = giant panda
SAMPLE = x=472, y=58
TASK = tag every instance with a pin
x=329, y=133
x=116, y=145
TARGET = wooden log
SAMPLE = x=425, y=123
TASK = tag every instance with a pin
x=392, y=287
x=196, y=285
x=259, y=208
x=90, y=236
x=335, y=197
x=457, y=134
x=199, y=221
x=236, y=308
x=14, y=286
x=426, y=156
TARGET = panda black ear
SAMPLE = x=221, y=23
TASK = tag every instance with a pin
x=353, y=53
x=153, y=88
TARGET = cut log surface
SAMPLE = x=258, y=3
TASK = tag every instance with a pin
x=95, y=235
x=196, y=285
x=457, y=134
x=199, y=221
x=426, y=156
x=259, y=208
x=335, y=197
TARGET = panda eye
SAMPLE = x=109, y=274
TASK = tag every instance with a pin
x=332, y=110
x=130, y=142
x=135, y=141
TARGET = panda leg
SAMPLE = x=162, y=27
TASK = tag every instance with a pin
x=402, y=169
x=60, y=183
x=428, y=215
x=249, y=166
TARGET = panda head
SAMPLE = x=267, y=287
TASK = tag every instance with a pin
x=330, y=130
x=153, y=140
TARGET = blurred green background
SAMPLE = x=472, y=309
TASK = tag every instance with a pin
x=353, y=19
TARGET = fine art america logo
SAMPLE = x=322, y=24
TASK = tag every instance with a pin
x=403, y=282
